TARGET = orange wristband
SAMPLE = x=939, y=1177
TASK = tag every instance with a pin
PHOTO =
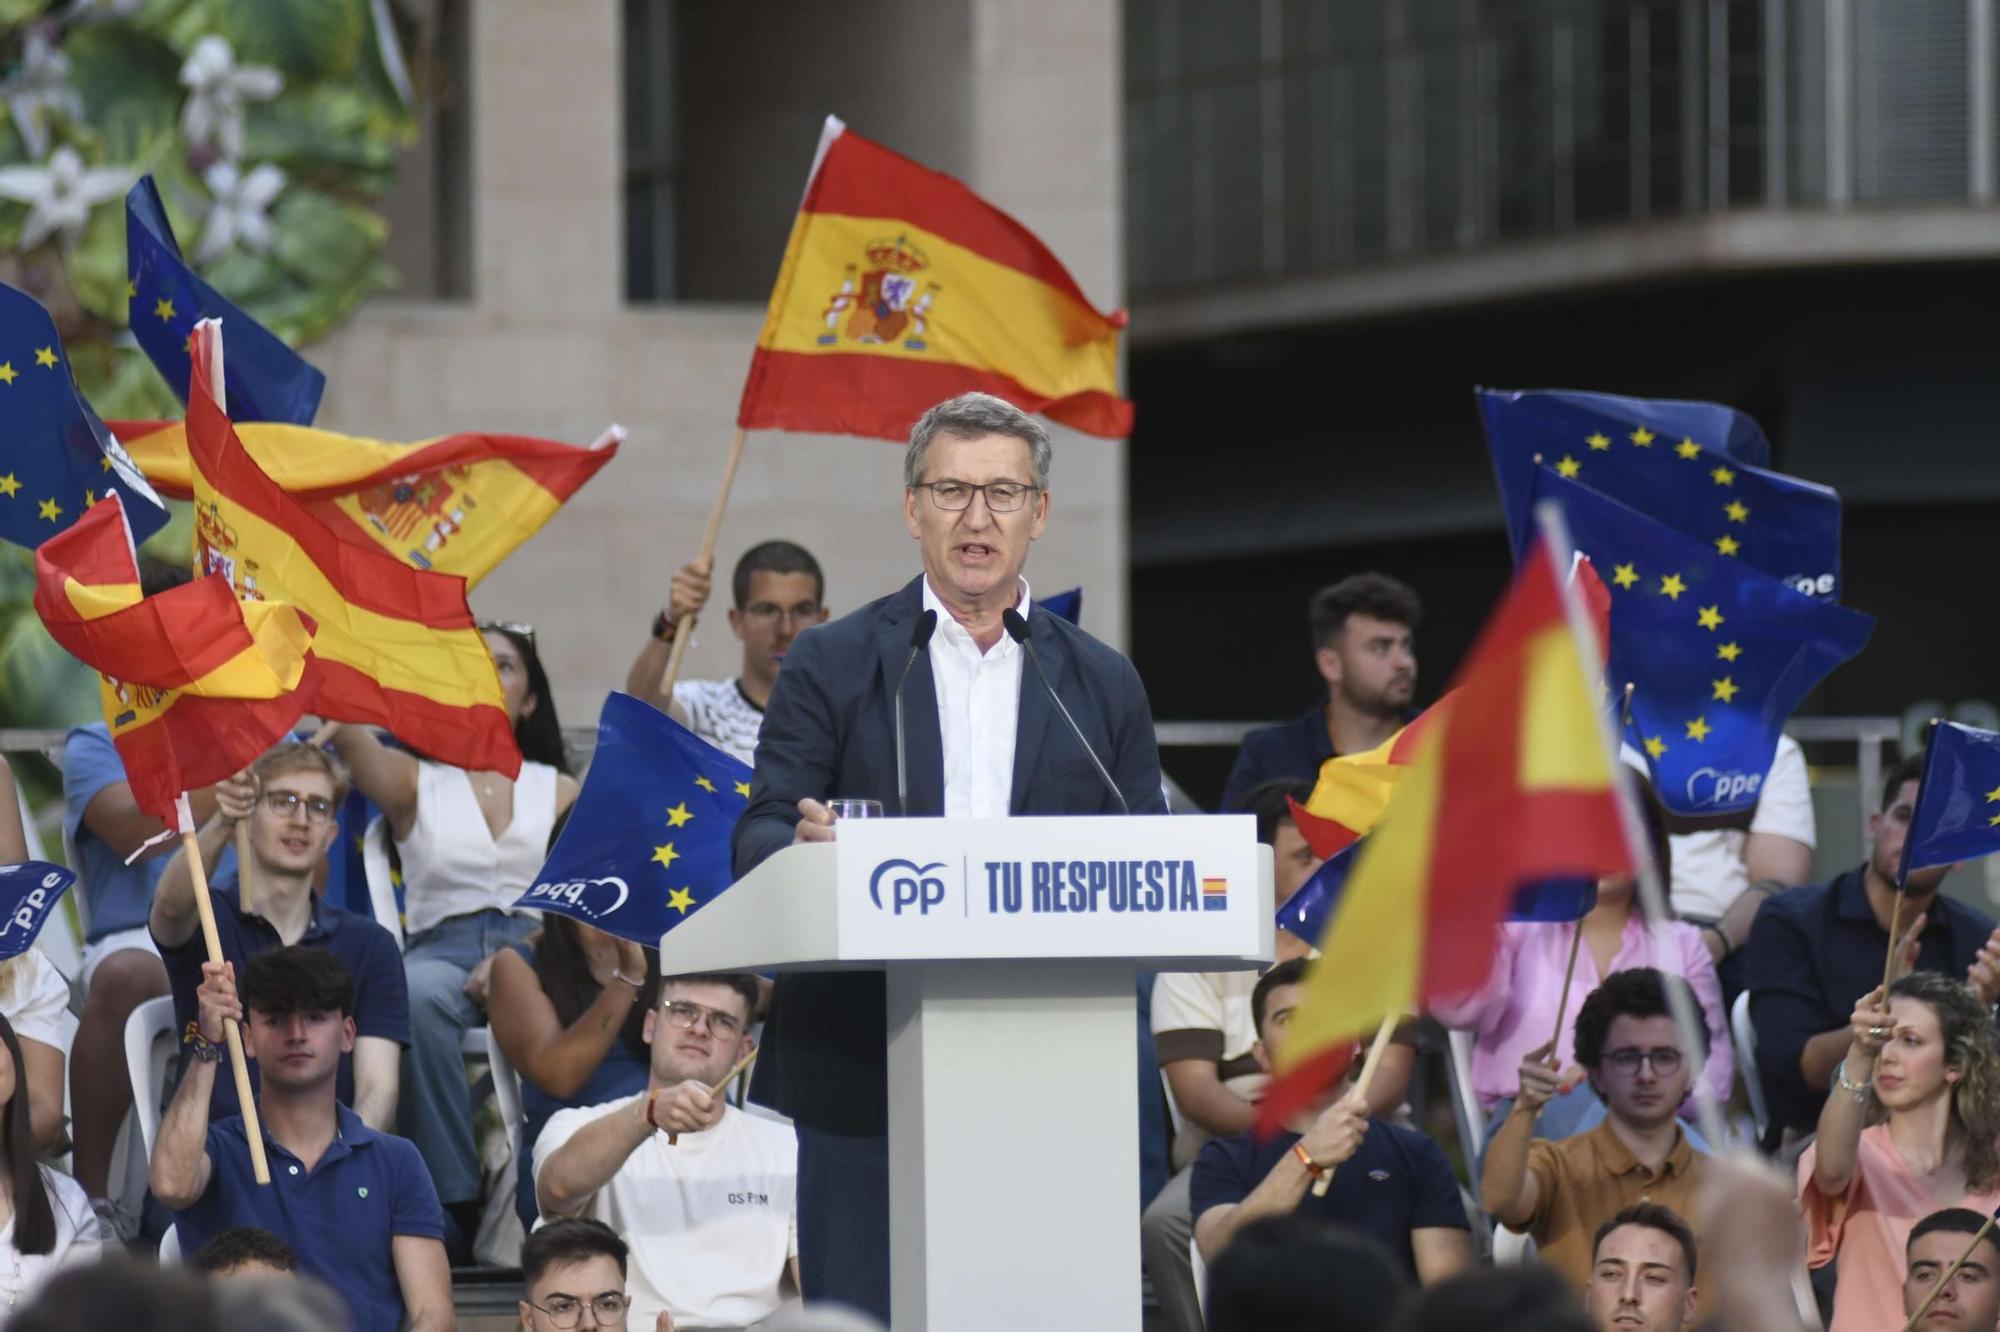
x=1298, y=1149
x=652, y=1096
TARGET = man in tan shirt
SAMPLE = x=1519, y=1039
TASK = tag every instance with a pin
x=1561, y=1192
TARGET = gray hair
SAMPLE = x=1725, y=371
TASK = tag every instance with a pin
x=970, y=416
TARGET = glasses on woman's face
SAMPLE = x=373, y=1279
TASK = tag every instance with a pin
x=284, y=804
x=566, y=1311
x=685, y=1015
x=1666, y=1061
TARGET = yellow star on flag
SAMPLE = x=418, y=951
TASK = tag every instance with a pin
x=1655, y=746
x=1728, y=545
x=1709, y=617
x=680, y=899
x=131, y=289
x=1737, y=513
x=1642, y=437
x=104, y=463
x=1599, y=441
x=1568, y=467
x=1993, y=795
x=9, y=484
x=1671, y=587
x=1729, y=651
x=1698, y=729
x=678, y=815
x=1993, y=822
x=743, y=789
x=1726, y=689
x=164, y=309
x=45, y=356
x=666, y=855
x=89, y=498
x=1624, y=575
x=705, y=784
x=1722, y=476
x=8, y=374
x=1688, y=449
x=50, y=509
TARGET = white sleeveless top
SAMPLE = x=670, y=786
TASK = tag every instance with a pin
x=451, y=864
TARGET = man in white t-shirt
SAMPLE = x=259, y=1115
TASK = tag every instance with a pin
x=1721, y=876
x=779, y=593
x=703, y=1193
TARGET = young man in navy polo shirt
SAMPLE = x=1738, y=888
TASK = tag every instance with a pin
x=289, y=799
x=357, y=1207
x=1390, y=1182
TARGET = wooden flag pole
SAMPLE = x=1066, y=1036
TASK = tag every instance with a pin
x=198, y=872
x=243, y=889
x=1569, y=974
x=1368, y=1067
x=1949, y=1272
x=1895, y=924
x=684, y=630
x=718, y=1088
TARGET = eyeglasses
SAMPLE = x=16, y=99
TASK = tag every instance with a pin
x=284, y=804
x=1001, y=496
x=1665, y=1061
x=764, y=612
x=516, y=627
x=566, y=1311
x=684, y=1015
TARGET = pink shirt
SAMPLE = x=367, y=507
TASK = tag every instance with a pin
x=1868, y=1228
x=1517, y=1010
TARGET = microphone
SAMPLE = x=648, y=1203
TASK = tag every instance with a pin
x=919, y=636
x=1017, y=629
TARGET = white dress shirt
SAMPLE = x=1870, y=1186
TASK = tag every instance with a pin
x=979, y=704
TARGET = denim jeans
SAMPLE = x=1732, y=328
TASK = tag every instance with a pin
x=435, y=1107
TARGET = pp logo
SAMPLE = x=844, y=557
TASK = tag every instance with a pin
x=911, y=886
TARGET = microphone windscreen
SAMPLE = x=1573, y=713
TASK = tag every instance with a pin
x=926, y=626
x=1017, y=628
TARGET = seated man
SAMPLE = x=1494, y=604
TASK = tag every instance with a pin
x=289, y=798
x=1642, y=1273
x=244, y=1251
x=711, y=1216
x=1813, y=949
x=1970, y=1301
x=1390, y=1183
x=573, y=1275
x=356, y=1206
x=1562, y=1192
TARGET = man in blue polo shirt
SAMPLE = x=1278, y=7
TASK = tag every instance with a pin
x=356, y=1206
x=1390, y=1182
x=289, y=799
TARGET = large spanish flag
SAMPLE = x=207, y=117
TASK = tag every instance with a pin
x=1512, y=784
x=395, y=647
x=195, y=683
x=458, y=504
x=900, y=288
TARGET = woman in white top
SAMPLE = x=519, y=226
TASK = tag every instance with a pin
x=47, y=1221
x=470, y=844
x=35, y=997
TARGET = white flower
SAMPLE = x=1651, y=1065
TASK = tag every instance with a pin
x=217, y=89
x=60, y=195
x=240, y=211
x=41, y=86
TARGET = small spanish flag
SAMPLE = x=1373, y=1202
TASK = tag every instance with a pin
x=1512, y=784
x=195, y=683
x=900, y=288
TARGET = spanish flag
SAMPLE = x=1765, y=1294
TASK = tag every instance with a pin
x=900, y=288
x=395, y=647
x=458, y=504
x=195, y=683
x=1513, y=783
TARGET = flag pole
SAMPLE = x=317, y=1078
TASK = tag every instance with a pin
x=1936, y=1290
x=684, y=630
x=1569, y=974
x=243, y=889
x=252, y=1130
x=1367, y=1076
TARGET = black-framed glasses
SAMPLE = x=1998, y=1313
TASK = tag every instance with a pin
x=1666, y=1060
x=518, y=627
x=284, y=804
x=685, y=1015
x=765, y=612
x=1001, y=496
x=566, y=1311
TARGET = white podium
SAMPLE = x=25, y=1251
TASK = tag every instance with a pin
x=1011, y=947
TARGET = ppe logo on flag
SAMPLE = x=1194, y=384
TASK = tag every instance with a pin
x=912, y=887
x=1709, y=786
x=595, y=898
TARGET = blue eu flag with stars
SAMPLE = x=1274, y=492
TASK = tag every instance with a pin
x=1309, y=909
x=1717, y=653
x=56, y=457
x=265, y=379
x=1691, y=465
x=647, y=841
x=29, y=891
x=1958, y=802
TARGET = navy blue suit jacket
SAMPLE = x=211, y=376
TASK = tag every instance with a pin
x=829, y=730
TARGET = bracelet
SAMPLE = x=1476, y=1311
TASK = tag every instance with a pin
x=637, y=986
x=1728, y=944
x=1858, y=1090
x=664, y=628
x=199, y=1045
x=1313, y=1167
x=651, y=1096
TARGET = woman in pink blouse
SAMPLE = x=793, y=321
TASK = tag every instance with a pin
x=1912, y=1125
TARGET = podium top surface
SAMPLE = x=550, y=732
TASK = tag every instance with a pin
x=1147, y=892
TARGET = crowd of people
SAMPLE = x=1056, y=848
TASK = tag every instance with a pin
x=641, y=1194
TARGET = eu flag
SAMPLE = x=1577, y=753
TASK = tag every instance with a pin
x=266, y=380
x=1308, y=910
x=1958, y=803
x=56, y=457
x=1691, y=465
x=1717, y=653
x=647, y=840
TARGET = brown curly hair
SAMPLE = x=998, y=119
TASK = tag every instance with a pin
x=1969, y=1047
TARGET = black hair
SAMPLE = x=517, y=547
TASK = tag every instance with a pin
x=571, y=1239
x=1530, y=1297
x=1910, y=769
x=1373, y=594
x=1951, y=1221
x=1298, y=1270
x=538, y=733
x=1291, y=972
x=1635, y=992
x=742, y=982
x=1271, y=801
x=560, y=965
x=34, y=1217
x=238, y=1245
x=157, y=576
x=298, y=979
x=1653, y=1216
x=120, y=1292
x=779, y=557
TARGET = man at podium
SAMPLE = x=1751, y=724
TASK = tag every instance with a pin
x=980, y=669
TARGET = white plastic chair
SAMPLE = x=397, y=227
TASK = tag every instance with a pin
x=149, y=1053
x=507, y=1091
x=170, y=1248
x=1510, y=1249
x=381, y=886
x=1744, y=1035
x=1200, y=1277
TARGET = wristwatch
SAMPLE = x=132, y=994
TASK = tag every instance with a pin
x=664, y=628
